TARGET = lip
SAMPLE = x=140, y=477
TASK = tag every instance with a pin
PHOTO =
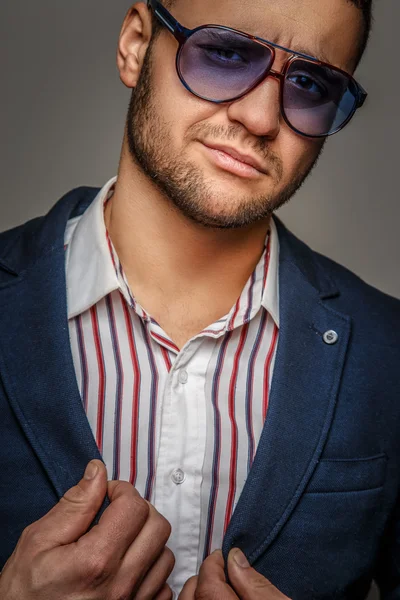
x=239, y=157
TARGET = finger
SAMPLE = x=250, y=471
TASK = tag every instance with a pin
x=164, y=594
x=155, y=579
x=213, y=568
x=74, y=513
x=189, y=589
x=212, y=582
x=119, y=525
x=146, y=548
x=247, y=582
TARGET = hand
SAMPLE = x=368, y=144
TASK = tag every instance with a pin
x=124, y=556
x=245, y=581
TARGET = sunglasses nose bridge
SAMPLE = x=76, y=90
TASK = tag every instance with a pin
x=278, y=76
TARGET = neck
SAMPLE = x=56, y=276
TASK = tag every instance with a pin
x=165, y=255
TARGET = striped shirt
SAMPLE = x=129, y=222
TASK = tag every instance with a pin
x=181, y=425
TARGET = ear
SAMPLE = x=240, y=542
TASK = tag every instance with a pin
x=133, y=42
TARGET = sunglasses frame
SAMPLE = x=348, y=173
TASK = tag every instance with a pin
x=182, y=34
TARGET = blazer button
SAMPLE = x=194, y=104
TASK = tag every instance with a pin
x=330, y=337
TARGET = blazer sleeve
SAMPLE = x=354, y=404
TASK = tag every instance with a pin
x=387, y=574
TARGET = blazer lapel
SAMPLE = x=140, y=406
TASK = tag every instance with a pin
x=36, y=364
x=302, y=402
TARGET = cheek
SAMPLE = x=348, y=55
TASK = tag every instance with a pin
x=297, y=153
x=178, y=109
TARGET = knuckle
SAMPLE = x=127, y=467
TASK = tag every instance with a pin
x=129, y=507
x=130, y=500
x=167, y=593
x=121, y=594
x=140, y=507
x=96, y=570
x=26, y=535
x=169, y=557
x=31, y=536
x=208, y=592
x=166, y=527
x=162, y=526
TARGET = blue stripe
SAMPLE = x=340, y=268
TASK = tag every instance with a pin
x=95, y=309
x=250, y=297
x=83, y=361
x=119, y=386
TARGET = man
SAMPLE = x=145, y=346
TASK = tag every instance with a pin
x=231, y=379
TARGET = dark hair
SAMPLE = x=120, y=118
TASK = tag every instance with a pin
x=364, y=5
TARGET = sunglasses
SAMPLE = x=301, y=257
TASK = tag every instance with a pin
x=221, y=64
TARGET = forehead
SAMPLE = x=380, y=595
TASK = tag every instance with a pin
x=327, y=29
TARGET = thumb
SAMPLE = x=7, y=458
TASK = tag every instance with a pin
x=247, y=582
x=73, y=515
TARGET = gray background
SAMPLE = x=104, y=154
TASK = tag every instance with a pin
x=63, y=110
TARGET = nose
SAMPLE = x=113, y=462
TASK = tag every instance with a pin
x=259, y=111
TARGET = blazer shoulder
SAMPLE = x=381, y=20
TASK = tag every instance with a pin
x=366, y=304
x=21, y=246
x=352, y=284
x=373, y=312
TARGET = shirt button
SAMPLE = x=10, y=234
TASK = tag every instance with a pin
x=183, y=376
x=178, y=476
x=330, y=337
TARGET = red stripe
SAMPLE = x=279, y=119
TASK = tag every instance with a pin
x=100, y=364
x=165, y=341
x=252, y=444
x=166, y=357
x=267, y=368
x=136, y=392
x=213, y=332
x=120, y=376
x=234, y=428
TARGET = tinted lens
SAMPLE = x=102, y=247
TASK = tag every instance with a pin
x=317, y=100
x=221, y=65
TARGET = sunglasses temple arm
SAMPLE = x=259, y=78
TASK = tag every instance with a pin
x=362, y=98
x=167, y=20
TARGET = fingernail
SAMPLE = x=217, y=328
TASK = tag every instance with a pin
x=240, y=559
x=91, y=470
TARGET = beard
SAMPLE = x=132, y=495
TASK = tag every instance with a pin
x=181, y=181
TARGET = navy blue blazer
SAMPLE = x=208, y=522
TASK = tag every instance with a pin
x=318, y=513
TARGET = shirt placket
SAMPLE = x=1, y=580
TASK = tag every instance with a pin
x=180, y=454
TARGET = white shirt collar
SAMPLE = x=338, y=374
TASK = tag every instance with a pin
x=270, y=300
x=90, y=271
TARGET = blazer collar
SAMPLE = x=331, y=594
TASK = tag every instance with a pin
x=308, y=262
x=24, y=246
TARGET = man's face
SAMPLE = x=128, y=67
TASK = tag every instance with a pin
x=170, y=131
